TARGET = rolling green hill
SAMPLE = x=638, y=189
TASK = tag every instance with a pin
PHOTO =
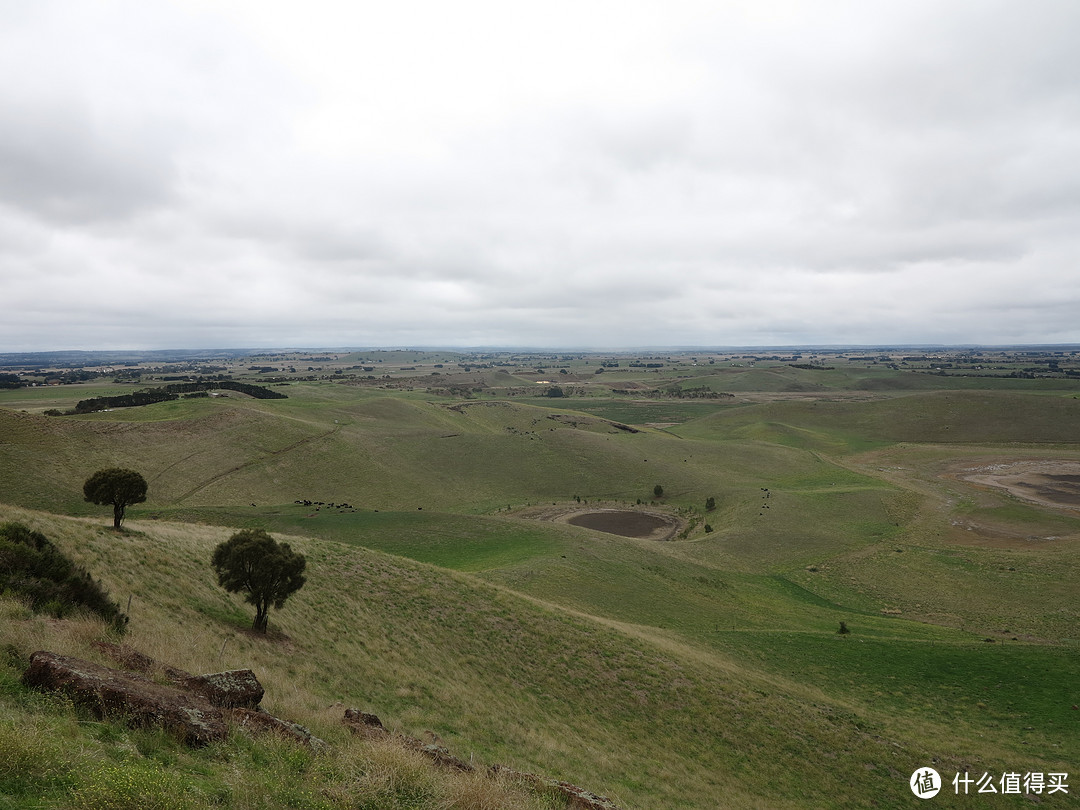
x=651, y=716
x=702, y=672
x=952, y=417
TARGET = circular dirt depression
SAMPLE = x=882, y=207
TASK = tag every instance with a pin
x=627, y=524
x=637, y=523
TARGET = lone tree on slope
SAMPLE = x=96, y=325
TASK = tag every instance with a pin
x=117, y=487
x=251, y=562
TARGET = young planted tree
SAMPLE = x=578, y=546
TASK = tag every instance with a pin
x=266, y=572
x=117, y=487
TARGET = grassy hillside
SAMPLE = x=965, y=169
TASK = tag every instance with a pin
x=943, y=417
x=627, y=709
x=375, y=451
x=702, y=672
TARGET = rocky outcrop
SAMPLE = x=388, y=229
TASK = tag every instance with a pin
x=365, y=725
x=129, y=697
x=198, y=709
x=437, y=754
x=370, y=727
x=235, y=689
x=201, y=709
x=260, y=722
x=576, y=797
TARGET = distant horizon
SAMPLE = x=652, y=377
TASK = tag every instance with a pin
x=834, y=347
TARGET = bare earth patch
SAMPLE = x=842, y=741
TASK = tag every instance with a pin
x=1045, y=482
x=625, y=522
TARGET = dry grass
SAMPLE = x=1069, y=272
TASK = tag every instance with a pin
x=652, y=717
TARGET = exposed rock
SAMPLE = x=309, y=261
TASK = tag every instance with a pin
x=258, y=722
x=576, y=797
x=235, y=689
x=131, y=659
x=195, y=708
x=127, y=657
x=199, y=708
x=370, y=727
x=437, y=754
x=365, y=725
x=128, y=697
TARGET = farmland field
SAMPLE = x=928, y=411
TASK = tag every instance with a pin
x=470, y=574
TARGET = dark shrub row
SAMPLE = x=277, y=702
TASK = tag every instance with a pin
x=32, y=567
x=173, y=391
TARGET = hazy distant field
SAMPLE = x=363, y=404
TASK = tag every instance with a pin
x=700, y=672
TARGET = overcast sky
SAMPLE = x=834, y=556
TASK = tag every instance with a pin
x=236, y=173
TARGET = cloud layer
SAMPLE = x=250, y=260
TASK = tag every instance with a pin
x=597, y=174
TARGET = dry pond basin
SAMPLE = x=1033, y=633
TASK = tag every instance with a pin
x=625, y=522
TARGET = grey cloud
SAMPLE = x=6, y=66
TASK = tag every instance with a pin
x=708, y=173
x=60, y=164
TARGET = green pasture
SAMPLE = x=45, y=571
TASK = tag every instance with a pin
x=851, y=377
x=954, y=417
x=705, y=671
x=37, y=399
x=631, y=411
x=649, y=715
x=459, y=542
x=375, y=451
x=1020, y=695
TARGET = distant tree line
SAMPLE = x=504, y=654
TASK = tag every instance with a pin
x=15, y=381
x=702, y=392
x=255, y=391
x=172, y=391
x=124, y=400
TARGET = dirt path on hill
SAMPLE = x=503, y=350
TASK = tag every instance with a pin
x=252, y=462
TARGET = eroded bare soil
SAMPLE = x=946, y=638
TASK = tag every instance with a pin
x=1047, y=482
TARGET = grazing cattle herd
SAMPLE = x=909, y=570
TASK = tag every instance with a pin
x=319, y=504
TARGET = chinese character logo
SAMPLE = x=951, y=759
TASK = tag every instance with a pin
x=925, y=783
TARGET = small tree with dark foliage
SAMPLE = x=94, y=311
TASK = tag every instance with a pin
x=115, y=487
x=266, y=572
